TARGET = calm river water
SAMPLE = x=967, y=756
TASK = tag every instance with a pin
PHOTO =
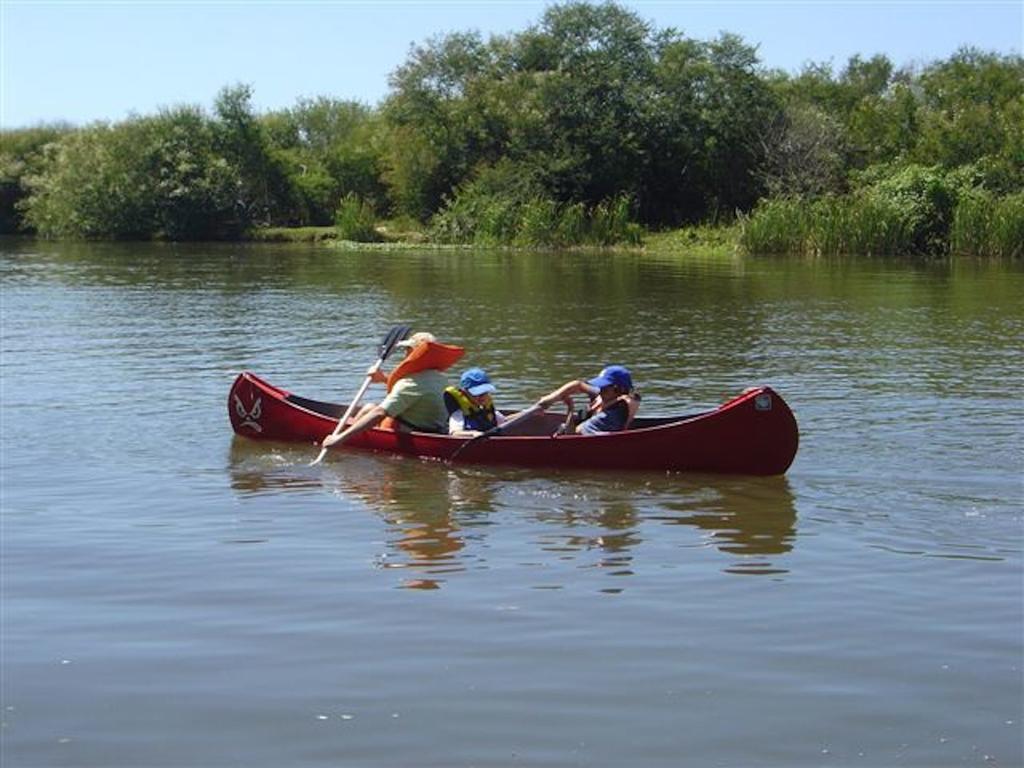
x=173, y=596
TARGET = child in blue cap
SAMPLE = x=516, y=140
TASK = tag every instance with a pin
x=613, y=402
x=470, y=407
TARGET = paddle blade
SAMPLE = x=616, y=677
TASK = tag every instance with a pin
x=395, y=335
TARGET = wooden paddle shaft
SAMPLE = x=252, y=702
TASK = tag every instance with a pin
x=352, y=406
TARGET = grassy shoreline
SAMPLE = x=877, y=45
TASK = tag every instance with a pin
x=707, y=240
x=992, y=238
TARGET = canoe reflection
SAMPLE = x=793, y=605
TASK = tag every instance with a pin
x=750, y=517
x=598, y=523
x=431, y=511
x=437, y=516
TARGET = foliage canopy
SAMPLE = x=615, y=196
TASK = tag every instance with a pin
x=590, y=109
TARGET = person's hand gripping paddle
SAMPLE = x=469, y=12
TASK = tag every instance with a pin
x=395, y=335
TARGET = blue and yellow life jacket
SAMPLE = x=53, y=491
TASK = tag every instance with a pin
x=480, y=418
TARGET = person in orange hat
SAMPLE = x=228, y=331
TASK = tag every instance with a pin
x=415, y=398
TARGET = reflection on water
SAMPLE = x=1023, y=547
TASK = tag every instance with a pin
x=258, y=472
x=594, y=522
x=427, y=508
x=752, y=519
x=902, y=602
x=437, y=515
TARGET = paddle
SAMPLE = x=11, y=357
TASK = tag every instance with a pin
x=523, y=415
x=395, y=335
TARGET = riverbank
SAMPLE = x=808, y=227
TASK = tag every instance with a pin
x=707, y=240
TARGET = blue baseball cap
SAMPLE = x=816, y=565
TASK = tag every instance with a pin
x=476, y=382
x=613, y=375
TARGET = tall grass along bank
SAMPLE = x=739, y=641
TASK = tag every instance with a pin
x=977, y=223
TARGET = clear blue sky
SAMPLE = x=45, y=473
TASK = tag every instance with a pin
x=102, y=60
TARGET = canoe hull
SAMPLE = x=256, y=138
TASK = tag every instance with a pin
x=752, y=434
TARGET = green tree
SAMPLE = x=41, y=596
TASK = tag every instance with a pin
x=593, y=103
x=884, y=128
x=264, y=195
x=598, y=64
x=192, y=187
x=737, y=105
x=965, y=105
x=327, y=149
x=146, y=177
x=434, y=136
x=21, y=156
x=93, y=183
x=805, y=153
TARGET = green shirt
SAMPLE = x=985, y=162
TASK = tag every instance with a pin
x=419, y=400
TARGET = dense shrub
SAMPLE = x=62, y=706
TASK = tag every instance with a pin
x=986, y=225
x=146, y=177
x=777, y=225
x=865, y=223
x=91, y=184
x=921, y=198
x=491, y=211
x=355, y=220
x=21, y=156
x=912, y=212
x=326, y=149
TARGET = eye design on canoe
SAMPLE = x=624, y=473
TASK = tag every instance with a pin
x=249, y=418
x=763, y=402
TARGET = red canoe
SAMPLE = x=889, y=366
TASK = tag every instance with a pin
x=753, y=434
